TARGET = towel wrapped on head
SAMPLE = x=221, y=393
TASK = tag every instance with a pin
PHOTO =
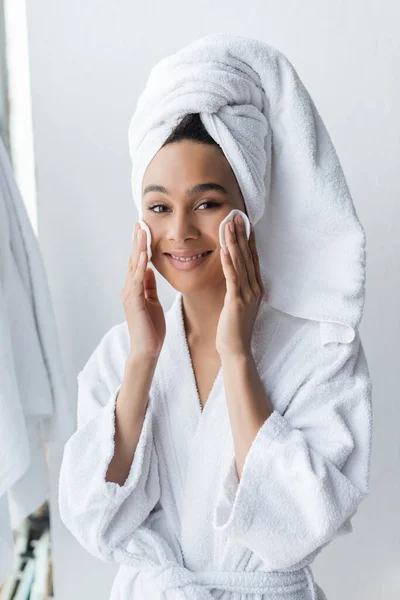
x=250, y=99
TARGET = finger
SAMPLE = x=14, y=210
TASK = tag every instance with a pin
x=231, y=276
x=134, y=238
x=256, y=260
x=139, y=244
x=135, y=230
x=237, y=260
x=135, y=278
x=150, y=285
x=137, y=247
x=248, y=257
x=138, y=276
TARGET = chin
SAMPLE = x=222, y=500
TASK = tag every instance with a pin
x=190, y=287
x=196, y=284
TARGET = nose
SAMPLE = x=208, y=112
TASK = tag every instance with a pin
x=181, y=227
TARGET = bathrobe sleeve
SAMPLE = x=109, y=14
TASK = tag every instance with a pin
x=307, y=469
x=103, y=515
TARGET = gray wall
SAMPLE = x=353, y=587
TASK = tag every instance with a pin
x=89, y=62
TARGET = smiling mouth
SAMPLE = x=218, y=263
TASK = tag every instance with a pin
x=188, y=259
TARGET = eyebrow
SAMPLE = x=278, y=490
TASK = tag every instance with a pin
x=200, y=187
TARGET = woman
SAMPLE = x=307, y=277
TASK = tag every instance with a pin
x=219, y=447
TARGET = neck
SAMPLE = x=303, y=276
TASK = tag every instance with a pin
x=201, y=312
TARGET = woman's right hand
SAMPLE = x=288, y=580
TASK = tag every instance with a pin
x=143, y=310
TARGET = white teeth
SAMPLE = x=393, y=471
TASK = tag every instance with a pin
x=190, y=258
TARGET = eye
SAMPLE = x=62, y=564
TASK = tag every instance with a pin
x=210, y=203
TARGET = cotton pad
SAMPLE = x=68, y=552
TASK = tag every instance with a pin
x=148, y=238
x=230, y=217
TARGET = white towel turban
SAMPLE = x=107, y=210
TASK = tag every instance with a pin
x=251, y=101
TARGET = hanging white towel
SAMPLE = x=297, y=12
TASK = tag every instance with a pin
x=34, y=404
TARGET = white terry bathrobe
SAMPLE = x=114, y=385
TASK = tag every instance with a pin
x=182, y=520
x=183, y=526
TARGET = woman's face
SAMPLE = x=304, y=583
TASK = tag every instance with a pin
x=184, y=221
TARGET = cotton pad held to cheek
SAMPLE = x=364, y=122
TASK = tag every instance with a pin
x=230, y=217
x=148, y=238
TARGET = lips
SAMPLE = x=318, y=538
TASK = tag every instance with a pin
x=186, y=256
x=186, y=265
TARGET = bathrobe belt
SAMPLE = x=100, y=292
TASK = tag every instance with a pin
x=184, y=583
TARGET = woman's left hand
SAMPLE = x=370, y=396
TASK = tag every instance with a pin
x=244, y=291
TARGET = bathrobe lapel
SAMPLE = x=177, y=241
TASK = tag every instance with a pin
x=187, y=365
x=202, y=442
x=179, y=389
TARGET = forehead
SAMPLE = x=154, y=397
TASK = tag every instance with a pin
x=181, y=164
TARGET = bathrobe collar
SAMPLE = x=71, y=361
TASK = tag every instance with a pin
x=177, y=368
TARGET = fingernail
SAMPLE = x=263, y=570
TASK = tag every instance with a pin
x=232, y=227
